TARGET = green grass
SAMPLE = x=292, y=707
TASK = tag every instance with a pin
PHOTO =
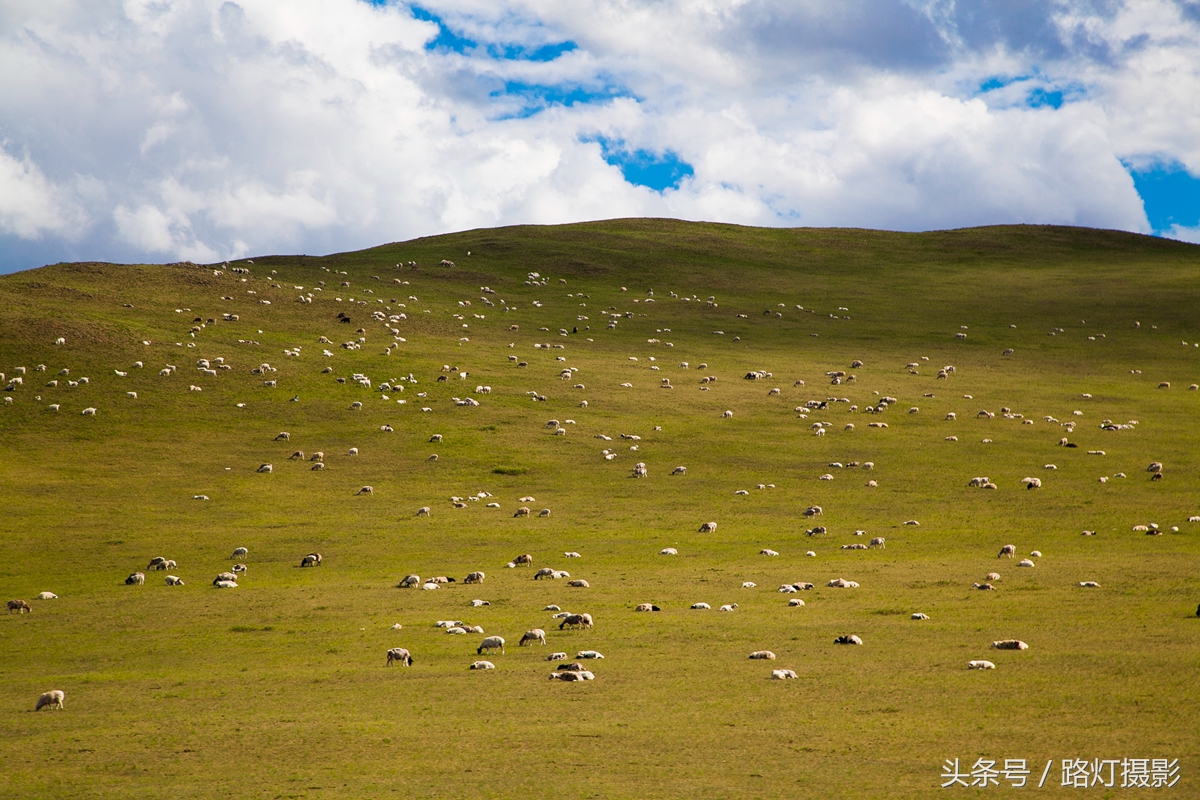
x=279, y=689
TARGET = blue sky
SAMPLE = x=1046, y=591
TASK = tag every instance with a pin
x=158, y=130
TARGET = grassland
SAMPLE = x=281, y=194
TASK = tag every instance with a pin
x=278, y=689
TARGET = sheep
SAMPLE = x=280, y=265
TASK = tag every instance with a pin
x=317, y=456
x=783, y=674
x=1155, y=467
x=173, y=580
x=848, y=639
x=1032, y=483
x=53, y=698
x=813, y=511
x=729, y=607
x=239, y=552
x=1009, y=550
x=364, y=490
x=19, y=606
x=473, y=578
x=440, y=579
x=802, y=586
x=265, y=468
x=842, y=583
x=399, y=654
x=490, y=643
x=878, y=541
x=727, y=415
x=749, y=584
x=984, y=587
x=136, y=579
x=708, y=527
x=311, y=560
x=89, y=412
x=482, y=665
x=544, y=572
x=679, y=471
x=1035, y=553
x=919, y=615
x=317, y=467
x=700, y=606
x=668, y=551
x=535, y=636
x=762, y=655
x=980, y=665
x=766, y=551
x=523, y=511
x=225, y=584
x=545, y=512
x=578, y=583
x=571, y=554
x=1010, y=644
x=589, y=654
x=525, y=560
x=557, y=657
x=47, y=596
x=429, y=586
x=576, y=621
x=283, y=436
x=795, y=602
x=156, y=563
x=646, y=607
x=568, y=677
x=1025, y=562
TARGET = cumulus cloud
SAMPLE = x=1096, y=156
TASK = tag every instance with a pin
x=210, y=129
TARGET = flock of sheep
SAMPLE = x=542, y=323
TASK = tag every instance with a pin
x=575, y=671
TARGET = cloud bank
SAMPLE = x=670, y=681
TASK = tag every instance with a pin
x=212, y=129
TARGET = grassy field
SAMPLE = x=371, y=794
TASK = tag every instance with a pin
x=278, y=689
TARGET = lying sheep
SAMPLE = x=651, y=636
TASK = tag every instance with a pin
x=848, y=639
x=980, y=665
x=766, y=655
x=482, y=665
x=568, y=677
x=1010, y=644
x=783, y=674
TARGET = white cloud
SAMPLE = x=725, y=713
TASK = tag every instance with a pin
x=30, y=205
x=209, y=129
x=1183, y=234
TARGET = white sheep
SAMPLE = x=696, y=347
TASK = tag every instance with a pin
x=54, y=698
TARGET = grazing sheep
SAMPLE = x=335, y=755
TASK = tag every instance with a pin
x=980, y=665
x=51, y=699
x=239, y=552
x=490, y=643
x=525, y=560
x=283, y=436
x=136, y=579
x=878, y=541
x=708, y=527
x=399, y=654
x=848, y=639
x=813, y=511
x=311, y=560
x=1009, y=550
x=482, y=665
x=173, y=580
x=545, y=512
x=679, y=471
x=1010, y=644
x=473, y=577
x=523, y=511
x=19, y=606
x=89, y=412
x=535, y=636
x=266, y=468
x=764, y=655
x=919, y=615
x=364, y=490
x=783, y=674
x=576, y=621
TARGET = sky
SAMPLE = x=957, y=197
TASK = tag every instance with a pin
x=205, y=130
